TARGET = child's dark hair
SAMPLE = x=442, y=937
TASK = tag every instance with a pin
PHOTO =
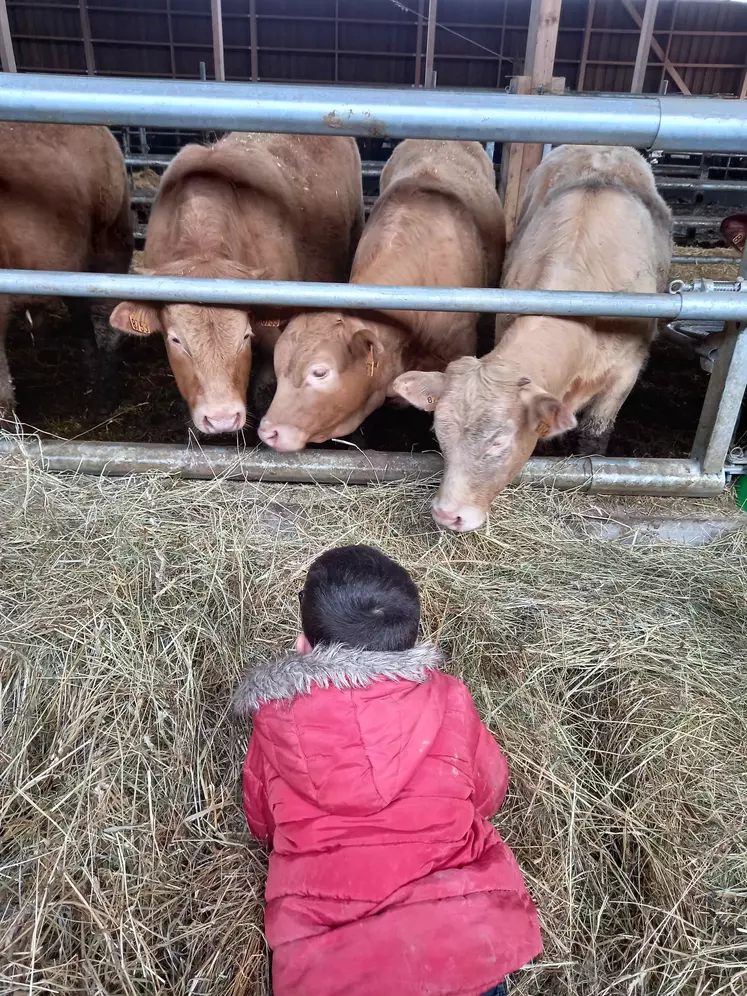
x=357, y=596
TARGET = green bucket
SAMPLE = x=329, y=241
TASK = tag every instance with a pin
x=741, y=492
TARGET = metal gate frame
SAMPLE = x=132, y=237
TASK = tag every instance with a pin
x=661, y=122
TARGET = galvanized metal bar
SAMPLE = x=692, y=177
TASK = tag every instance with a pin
x=7, y=55
x=645, y=122
x=723, y=401
x=219, y=58
x=703, y=260
x=279, y=293
x=144, y=161
x=599, y=475
x=644, y=45
x=725, y=394
x=430, y=45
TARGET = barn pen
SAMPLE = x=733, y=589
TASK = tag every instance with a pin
x=600, y=624
x=644, y=122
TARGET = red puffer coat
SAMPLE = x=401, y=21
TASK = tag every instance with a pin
x=372, y=777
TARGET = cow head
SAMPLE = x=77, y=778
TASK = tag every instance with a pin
x=209, y=349
x=330, y=376
x=734, y=230
x=488, y=419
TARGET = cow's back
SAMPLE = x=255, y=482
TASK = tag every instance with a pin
x=439, y=205
x=288, y=205
x=592, y=220
x=437, y=223
x=61, y=187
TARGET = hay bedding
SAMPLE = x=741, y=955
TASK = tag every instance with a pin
x=613, y=676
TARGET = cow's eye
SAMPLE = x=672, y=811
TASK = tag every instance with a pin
x=174, y=339
x=319, y=373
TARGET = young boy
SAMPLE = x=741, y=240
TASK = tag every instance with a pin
x=373, y=778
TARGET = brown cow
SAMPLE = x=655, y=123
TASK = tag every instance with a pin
x=64, y=205
x=274, y=207
x=438, y=222
x=591, y=221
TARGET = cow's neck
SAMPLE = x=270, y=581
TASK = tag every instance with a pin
x=548, y=350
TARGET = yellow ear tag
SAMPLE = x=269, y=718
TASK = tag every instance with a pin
x=543, y=428
x=270, y=323
x=371, y=364
x=430, y=399
x=139, y=323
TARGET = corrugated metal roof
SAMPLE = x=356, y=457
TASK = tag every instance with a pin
x=480, y=43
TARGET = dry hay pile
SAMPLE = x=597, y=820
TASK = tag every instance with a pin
x=145, y=179
x=614, y=677
x=711, y=271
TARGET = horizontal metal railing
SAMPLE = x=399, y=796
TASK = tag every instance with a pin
x=661, y=122
x=668, y=123
x=278, y=293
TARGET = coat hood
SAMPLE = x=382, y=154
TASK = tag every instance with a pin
x=347, y=728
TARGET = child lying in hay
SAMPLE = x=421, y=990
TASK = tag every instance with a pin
x=372, y=776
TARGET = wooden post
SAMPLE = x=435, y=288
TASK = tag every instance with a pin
x=430, y=45
x=644, y=46
x=85, y=30
x=419, y=43
x=658, y=50
x=7, y=56
x=518, y=161
x=253, y=51
x=587, y=41
x=218, y=55
x=542, y=39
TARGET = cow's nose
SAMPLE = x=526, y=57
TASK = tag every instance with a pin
x=460, y=519
x=222, y=420
x=285, y=438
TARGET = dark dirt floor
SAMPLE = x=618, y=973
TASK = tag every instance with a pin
x=53, y=392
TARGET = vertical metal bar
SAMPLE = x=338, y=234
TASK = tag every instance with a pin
x=430, y=45
x=724, y=397
x=419, y=44
x=85, y=30
x=587, y=41
x=254, y=53
x=170, y=31
x=7, y=55
x=218, y=54
x=644, y=46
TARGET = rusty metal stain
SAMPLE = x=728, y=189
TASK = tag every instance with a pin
x=332, y=120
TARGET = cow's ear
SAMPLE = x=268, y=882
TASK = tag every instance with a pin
x=135, y=318
x=734, y=230
x=421, y=388
x=547, y=415
x=365, y=343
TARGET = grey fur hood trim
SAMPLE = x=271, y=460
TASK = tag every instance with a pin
x=337, y=665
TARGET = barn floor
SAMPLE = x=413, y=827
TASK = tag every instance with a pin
x=613, y=676
x=53, y=394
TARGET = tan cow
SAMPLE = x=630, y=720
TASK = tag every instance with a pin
x=273, y=207
x=438, y=222
x=591, y=221
x=64, y=205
